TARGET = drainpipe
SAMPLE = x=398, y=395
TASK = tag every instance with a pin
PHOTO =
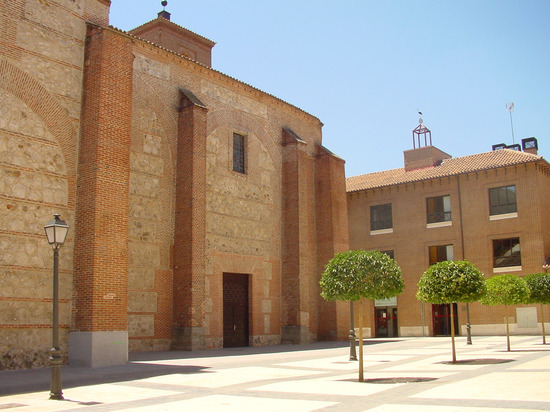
x=468, y=326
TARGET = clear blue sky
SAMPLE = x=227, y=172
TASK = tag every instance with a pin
x=365, y=68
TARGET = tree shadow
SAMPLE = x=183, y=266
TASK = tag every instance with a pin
x=477, y=362
x=36, y=380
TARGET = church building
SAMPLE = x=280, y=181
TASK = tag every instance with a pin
x=201, y=210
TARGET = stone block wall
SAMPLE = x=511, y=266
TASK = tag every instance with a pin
x=244, y=213
x=93, y=126
x=40, y=89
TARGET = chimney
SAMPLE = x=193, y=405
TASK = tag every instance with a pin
x=427, y=156
x=423, y=156
x=530, y=145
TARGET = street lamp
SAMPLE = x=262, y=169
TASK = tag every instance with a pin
x=56, y=232
x=468, y=325
x=352, y=337
x=545, y=266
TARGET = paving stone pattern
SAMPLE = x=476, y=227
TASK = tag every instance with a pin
x=401, y=374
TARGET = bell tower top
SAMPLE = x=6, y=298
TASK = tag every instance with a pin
x=171, y=36
x=164, y=14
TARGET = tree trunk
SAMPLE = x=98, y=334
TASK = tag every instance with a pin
x=507, y=330
x=453, y=333
x=361, y=341
x=542, y=319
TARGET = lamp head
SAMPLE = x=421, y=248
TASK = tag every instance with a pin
x=56, y=231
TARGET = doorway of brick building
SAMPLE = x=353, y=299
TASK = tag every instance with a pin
x=235, y=310
x=441, y=315
x=385, y=322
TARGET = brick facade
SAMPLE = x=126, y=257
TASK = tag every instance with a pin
x=132, y=144
x=470, y=229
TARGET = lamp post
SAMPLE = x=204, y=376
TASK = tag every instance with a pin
x=352, y=353
x=56, y=232
x=545, y=266
x=468, y=325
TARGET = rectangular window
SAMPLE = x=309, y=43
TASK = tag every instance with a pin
x=438, y=209
x=506, y=252
x=380, y=217
x=441, y=253
x=502, y=200
x=239, y=153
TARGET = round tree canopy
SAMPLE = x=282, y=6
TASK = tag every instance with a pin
x=506, y=290
x=539, y=286
x=360, y=274
x=451, y=281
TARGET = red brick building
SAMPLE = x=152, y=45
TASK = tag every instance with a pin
x=489, y=208
x=202, y=210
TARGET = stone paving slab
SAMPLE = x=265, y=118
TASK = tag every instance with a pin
x=439, y=408
x=338, y=363
x=402, y=374
x=344, y=385
x=230, y=403
x=501, y=386
x=228, y=377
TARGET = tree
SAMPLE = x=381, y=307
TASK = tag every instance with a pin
x=506, y=290
x=354, y=275
x=539, y=288
x=450, y=282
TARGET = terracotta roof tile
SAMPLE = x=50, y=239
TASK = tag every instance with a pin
x=449, y=167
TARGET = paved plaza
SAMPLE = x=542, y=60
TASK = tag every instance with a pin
x=401, y=374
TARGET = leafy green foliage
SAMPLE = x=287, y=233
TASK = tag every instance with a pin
x=539, y=287
x=506, y=290
x=353, y=275
x=451, y=281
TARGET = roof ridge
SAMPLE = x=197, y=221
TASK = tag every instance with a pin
x=284, y=102
x=449, y=167
x=171, y=22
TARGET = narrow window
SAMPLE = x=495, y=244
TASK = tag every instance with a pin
x=506, y=252
x=438, y=209
x=238, y=153
x=380, y=217
x=502, y=200
x=441, y=253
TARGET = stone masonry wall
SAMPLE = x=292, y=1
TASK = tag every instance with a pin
x=151, y=209
x=243, y=211
x=41, y=50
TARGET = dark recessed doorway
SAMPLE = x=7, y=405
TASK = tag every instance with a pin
x=235, y=310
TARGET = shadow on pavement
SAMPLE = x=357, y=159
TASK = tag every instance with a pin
x=141, y=366
x=35, y=380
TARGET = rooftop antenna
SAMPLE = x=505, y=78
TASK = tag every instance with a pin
x=510, y=109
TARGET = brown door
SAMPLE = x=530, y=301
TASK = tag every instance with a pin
x=381, y=322
x=442, y=319
x=392, y=320
x=386, y=322
x=235, y=310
